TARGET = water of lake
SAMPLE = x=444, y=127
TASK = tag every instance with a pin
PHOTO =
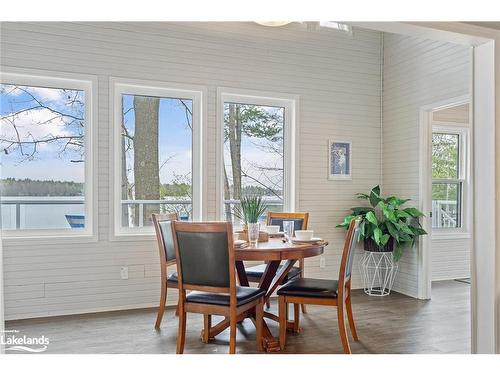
x=40, y=212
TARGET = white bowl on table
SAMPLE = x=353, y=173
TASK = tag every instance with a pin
x=304, y=235
x=272, y=229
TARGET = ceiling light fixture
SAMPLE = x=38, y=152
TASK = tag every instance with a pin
x=273, y=23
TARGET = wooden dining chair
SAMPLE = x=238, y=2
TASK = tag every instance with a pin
x=206, y=267
x=324, y=292
x=163, y=229
x=300, y=219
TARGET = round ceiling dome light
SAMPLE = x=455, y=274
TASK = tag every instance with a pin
x=273, y=23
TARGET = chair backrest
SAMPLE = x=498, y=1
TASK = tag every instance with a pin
x=163, y=229
x=205, y=256
x=346, y=263
x=300, y=219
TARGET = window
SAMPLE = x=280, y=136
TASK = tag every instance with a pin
x=449, y=176
x=257, y=151
x=157, y=158
x=46, y=155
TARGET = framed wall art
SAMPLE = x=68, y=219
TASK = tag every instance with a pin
x=339, y=160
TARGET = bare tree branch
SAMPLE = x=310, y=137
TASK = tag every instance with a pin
x=41, y=105
x=271, y=190
x=166, y=161
x=188, y=113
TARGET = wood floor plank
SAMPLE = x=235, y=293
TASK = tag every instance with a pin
x=393, y=324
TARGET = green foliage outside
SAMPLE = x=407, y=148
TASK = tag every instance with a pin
x=255, y=121
x=175, y=190
x=12, y=187
x=250, y=190
x=445, y=152
x=44, y=188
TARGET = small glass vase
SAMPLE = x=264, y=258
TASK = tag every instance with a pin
x=253, y=233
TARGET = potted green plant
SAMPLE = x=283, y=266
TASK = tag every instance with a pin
x=385, y=225
x=249, y=211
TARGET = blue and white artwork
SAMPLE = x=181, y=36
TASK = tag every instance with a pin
x=339, y=160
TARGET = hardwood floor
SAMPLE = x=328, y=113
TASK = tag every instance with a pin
x=393, y=324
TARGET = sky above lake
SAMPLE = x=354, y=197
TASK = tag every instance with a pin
x=52, y=116
x=50, y=162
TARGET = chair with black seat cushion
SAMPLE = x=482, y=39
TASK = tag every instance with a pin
x=206, y=267
x=300, y=219
x=163, y=229
x=324, y=292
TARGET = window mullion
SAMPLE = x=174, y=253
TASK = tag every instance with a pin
x=447, y=180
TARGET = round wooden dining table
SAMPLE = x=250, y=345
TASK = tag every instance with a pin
x=274, y=252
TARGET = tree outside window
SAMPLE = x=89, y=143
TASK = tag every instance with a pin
x=253, y=154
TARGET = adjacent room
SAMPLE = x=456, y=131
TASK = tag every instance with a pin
x=236, y=187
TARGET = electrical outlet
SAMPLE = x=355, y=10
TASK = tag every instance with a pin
x=322, y=262
x=124, y=273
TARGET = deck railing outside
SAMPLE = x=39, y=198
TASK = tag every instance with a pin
x=39, y=212
x=135, y=209
x=444, y=214
x=53, y=212
x=273, y=204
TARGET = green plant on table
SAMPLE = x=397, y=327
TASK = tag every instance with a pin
x=384, y=219
x=251, y=208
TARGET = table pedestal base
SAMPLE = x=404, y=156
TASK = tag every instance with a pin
x=273, y=276
x=269, y=342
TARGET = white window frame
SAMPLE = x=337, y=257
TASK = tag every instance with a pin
x=462, y=131
x=119, y=86
x=88, y=84
x=290, y=104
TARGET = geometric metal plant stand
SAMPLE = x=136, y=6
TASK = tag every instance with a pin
x=378, y=271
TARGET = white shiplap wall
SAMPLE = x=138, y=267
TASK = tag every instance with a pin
x=417, y=72
x=337, y=78
x=450, y=258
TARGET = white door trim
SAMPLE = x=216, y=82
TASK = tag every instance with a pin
x=2, y=314
x=483, y=288
x=425, y=190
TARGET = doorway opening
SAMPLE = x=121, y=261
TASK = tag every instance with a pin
x=447, y=202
